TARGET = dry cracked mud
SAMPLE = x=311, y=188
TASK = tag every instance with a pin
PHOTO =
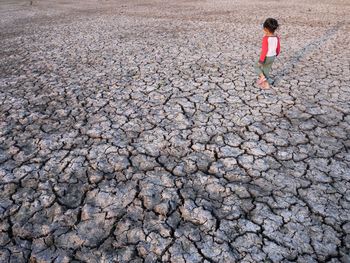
x=132, y=131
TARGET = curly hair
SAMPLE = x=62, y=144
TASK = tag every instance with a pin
x=271, y=24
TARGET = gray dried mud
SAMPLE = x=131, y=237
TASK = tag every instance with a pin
x=132, y=131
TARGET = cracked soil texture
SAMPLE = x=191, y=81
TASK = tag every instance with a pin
x=132, y=131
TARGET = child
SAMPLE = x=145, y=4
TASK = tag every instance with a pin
x=269, y=51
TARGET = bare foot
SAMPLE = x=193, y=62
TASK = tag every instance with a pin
x=261, y=80
x=265, y=85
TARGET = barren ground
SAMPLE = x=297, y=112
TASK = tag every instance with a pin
x=132, y=131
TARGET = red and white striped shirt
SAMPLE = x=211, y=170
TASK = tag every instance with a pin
x=270, y=47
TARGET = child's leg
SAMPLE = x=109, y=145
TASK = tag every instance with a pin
x=267, y=66
x=259, y=69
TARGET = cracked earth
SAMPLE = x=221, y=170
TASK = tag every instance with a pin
x=132, y=131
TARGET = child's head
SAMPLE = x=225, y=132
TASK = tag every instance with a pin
x=271, y=25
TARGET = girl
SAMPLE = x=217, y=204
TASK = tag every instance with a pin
x=269, y=51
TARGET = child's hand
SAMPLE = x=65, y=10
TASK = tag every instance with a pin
x=260, y=64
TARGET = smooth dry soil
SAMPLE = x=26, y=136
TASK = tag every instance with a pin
x=132, y=131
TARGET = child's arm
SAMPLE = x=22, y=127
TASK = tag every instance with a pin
x=278, y=50
x=264, y=50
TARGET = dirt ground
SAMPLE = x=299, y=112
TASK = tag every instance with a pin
x=133, y=131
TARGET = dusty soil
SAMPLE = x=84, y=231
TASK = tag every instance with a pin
x=132, y=131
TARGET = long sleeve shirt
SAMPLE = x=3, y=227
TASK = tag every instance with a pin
x=270, y=47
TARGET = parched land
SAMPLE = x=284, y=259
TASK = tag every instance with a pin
x=133, y=131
